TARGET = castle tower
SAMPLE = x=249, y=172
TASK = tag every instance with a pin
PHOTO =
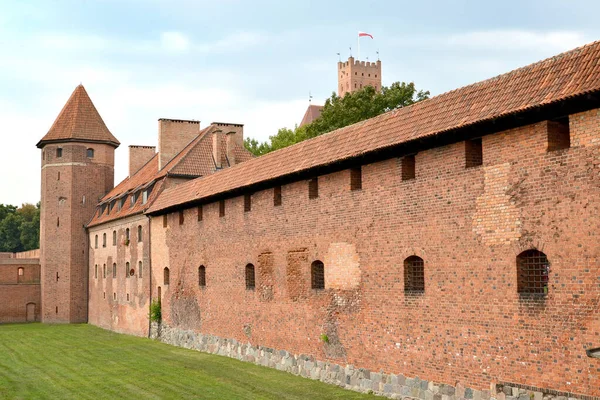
x=77, y=170
x=354, y=75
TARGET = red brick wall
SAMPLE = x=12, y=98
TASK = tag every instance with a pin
x=17, y=291
x=468, y=224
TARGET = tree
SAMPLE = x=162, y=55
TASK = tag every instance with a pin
x=10, y=233
x=19, y=227
x=339, y=112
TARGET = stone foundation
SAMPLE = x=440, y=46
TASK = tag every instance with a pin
x=395, y=386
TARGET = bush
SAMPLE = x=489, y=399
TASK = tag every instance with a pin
x=155, y=311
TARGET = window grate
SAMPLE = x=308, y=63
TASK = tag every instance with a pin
x=250, y=278
x=317, y=275
x=533, y=268
x=414, y=274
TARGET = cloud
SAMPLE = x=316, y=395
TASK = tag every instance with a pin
x=175, y=42
x=518, y=40
x=234, y=42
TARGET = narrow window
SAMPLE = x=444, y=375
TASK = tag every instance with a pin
x=317, y=275
x=126, y=236
x=114, y=270
x=58, y=176
x=96, y=242
x=96, y=271
x=356, y=178
x=247, y=202
x=159, y=293
x=181, y=217
x=114, y=296
x=473, y=153
x=250, y=278
x=127, y=296
x=414, y=275
x=114, y=238
x=127, y=270
x=200, y=213
x=140, y=274
x=58, y=152
x=202, y=276
x=166, y=276
x=57, y=221
x=533, y=268
x=20, y=271
x=57, y=276
x=104, y=294
x=139, y=235
x=221, y=208
x=104, y=271
x=313, y=188
x=559, y=135
x=277, y=196
x=90, y=153
x=104, y=240
x=165, y=221
x=144, y=197
x=408, y=167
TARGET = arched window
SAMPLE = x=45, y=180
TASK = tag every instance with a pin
x=104, y=271
x=90, y=153
x=414, y=275
x=139, y=269
x=20, y=271
x=114, y=270
x=127, y=270
x=114, y=238
x=532, y=269
x=104, y=240
x=202, y=276
x=127, y=236
x=139, y=233
x=317, y=275
x=250, y=278
x=96, y=242
x=166, y=277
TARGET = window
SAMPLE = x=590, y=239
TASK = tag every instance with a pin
x=145, y=194
x=247, y=202
x=90, y=153
x=114, y=238
x=104, y=271
x=140, y=275
x=277, y=196
x=121, y=203
x=408, y=167
x=166, y=276
x=114, y=296
x=127, y=270
x=58, y=224
x=221, y=208
x=199, y=213
x=317, y=275
x=559, y=135
x=356, y=178
x=532, y=269
x=96, y=271
x=126, y=236
x=104, y=240
x=20, y=271
x=139, y=233
x=114, y=270
x=202, y=276
x=58, y=177
x=414, y=275
x=181, y=217
x=133, y=199
x=58, y=152
x=313, y=188
x=96, y=242
x=165, y=220
x=473, y=153
x=250, y=279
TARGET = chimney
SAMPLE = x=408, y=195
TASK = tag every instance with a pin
x=217, y=139
x=139, y=156
x=173, y=136
x=230, y=146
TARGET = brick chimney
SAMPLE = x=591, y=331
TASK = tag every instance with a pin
x=173, y=136
x=230, y=146
x=234, y=135
x=138, y=156
x=217, y=140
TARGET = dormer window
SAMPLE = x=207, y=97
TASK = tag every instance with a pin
x=133, y=199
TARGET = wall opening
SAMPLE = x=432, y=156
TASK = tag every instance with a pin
x=199, y=213
x=114, y=238
x=559, y=134
x=473, y=153
x=317, y=275
x=114, y=270
x=414, y=275
x=202, y=276
x=59, y=152
x=408, y=167
x=127, y=270
x=532, y=273
x=313, y=188
x=165, y=220
x=247, y=202
x=139, y=233
x=221, y=208
x=166, y=277
x=140, y=274
x=126, y=236
x=90, y=153
x=277, y=196
x=104, y=271
x=250, y=277
x=356, y=178
x=181, y=217
x=96, y=271
x=96, y=241
x=104, y=240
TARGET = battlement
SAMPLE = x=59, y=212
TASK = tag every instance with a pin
x=352, y=62
x=186, y=121
x=355, y=74
x=227, y=124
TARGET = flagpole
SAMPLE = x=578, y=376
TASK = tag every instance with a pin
x=358, y=45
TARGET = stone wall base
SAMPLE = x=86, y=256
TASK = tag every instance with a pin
x=348, y=377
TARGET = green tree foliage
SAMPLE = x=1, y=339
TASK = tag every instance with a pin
x=19, y=227
x=339, y=112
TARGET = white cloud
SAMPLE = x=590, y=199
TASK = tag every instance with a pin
x=175, y=42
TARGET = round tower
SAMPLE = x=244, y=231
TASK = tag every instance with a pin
x=77, y=170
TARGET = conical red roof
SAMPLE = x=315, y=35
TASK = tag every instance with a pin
x=79, y=121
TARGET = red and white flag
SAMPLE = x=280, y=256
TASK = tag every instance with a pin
x=361, y=34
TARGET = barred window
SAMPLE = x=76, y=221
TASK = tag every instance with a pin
x=166, y=277
x=533, y=268
x=414, y=275
x=317, y=275
x=250, y=278
x=202, y=276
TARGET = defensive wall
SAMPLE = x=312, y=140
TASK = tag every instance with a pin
x=20, y=295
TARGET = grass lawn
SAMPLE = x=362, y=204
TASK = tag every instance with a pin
x=84, y=362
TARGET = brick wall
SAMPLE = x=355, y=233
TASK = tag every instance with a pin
x=20, y=290
x=470, y=327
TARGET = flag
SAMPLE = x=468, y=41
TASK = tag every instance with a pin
x=361, y=34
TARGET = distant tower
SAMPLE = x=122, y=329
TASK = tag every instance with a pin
x=77, y=170
x=354, y=75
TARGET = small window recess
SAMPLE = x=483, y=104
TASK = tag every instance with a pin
x=165, y=220
x=559, y=134
x=59, y=152
x=247, y=202
x=356, y=178
x=221, y=208
x=181, y=217
x=199, y=213
x=408, y=167
x=313, y=188
x=473, y=153
x=277, y=196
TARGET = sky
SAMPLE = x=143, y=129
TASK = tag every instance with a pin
x=250, y=62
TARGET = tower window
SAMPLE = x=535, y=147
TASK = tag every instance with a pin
x=202, y=276
x=317, y=275
x=104, y=240
x=250, y=278
x=96, y=271
x=533, y=269
x=247, y=202
x=473, y=153
x=166, y=277
x=408, y=167
x=356, y=178
x=139, y=233
x=313, y=188
x=277, y=196
x=414, y=275
x=96, y=242
x=90, y=153
x=59, y=152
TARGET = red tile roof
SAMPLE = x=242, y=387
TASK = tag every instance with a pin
x=570, y=74
x=79, y=121
x=312, y=112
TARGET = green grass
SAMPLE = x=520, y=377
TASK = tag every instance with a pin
x=84, y=362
